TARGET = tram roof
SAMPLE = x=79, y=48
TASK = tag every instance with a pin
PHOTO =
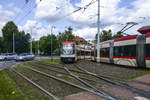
x=126, y=38
x=68, y=42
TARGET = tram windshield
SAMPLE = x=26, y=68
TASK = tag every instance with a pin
x=67, y=49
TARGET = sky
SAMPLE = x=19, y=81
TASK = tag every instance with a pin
x=39, y=16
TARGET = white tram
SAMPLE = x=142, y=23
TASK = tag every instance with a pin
x=68, y=52
x=131, y=50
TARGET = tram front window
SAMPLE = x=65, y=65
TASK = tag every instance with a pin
x=67, y=49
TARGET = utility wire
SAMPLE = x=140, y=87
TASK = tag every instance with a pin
x=21, y=20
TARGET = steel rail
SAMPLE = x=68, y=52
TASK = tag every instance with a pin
x=50, y=65
x=69, y=83
x=87, y=84
x=106, y=79
x=38, y=86
x=118, y=79
x=63, y=73
x=135, y=90
x=108, y=76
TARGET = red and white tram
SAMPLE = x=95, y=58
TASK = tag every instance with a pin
x=68, y=52
x=129, y=50
x=83, y=51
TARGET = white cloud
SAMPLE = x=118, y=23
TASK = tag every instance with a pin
x=17, y=10
x=5, y=15
x=37, y=29
x=52, y=10
x=87, y=33
x=10, y=5
x=111, y=16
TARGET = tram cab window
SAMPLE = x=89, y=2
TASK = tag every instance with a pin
x=68, y=49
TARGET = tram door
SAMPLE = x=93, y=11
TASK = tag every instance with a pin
x=111, y=54
x=140, y=50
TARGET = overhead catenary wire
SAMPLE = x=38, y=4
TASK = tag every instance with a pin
x=30, y=11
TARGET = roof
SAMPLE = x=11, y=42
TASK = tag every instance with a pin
x=144, y=29
x=68, y=42
x=126, y=38
x=148, y=35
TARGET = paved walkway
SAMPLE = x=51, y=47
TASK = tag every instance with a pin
x=83, y=96
x=145, y=79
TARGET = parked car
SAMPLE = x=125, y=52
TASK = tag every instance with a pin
x=25, y=56
x=8, y=56
x=1, y=58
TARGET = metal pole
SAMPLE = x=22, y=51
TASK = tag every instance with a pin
x=39, y=47
x=31, y=43
x=52, y=43
x=98, y=32
x=13, y=43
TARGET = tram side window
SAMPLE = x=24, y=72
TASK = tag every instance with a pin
x=78, y=52
x=129, y=50
x=87, y=52
x=92, y=53
x=104, y=51
x=148, y=50
x=82, y=53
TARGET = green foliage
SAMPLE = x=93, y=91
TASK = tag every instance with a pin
x=118, y=35
x=45, y=44
x=22, y=42
x=21, y=39
x=107, y=35
x=7, y=31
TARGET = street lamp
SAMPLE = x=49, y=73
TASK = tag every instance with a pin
x=98, y=33
x=13, y=42
x=31, y=43
x=52, y=27
x=31, y=40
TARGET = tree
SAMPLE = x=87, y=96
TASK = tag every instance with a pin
x=105, y=35
x=21, y=39
x=2, y=49
x=7, y=31
x=45, y=44
x=118, y=35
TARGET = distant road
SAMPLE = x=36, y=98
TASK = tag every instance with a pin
x=5, y=64
x=55, y=57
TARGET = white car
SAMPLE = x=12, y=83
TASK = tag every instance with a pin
x=8, y=56
x=25, y=56
x=1, y=58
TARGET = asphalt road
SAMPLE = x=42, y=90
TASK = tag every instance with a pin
x=5, y=64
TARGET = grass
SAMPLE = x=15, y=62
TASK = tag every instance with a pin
x=55, y=87
x=30, y=92
x=135, y=75
x=8, y=89
x=54, y=61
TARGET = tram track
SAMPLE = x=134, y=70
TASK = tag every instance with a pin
x=120, y=84
x=123, y=85
x=36, y=85
x=111, y=76
x=101, y=94
x=74, y=68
